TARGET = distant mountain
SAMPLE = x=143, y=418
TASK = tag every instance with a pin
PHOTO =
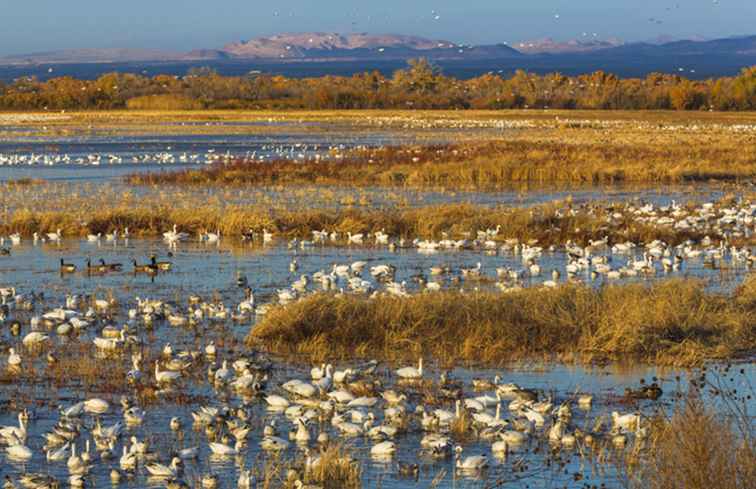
x=299, y=45
x=550, y=46
x=322, y=46
x=388, y=51
x=302, y=46
x=728, y=46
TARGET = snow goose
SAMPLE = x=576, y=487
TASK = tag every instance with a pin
x=411, y=373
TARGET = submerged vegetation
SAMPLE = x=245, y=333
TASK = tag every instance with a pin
x=674, y=322
x=421, y=85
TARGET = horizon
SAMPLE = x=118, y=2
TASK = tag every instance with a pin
x=163, y=27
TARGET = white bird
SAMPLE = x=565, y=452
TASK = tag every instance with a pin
x=35, y=338
x=19, y=452
x=57, y=454
x=55, y=237
x=165, y=376
x=128, y=460
x=223, y=450
x=627, y=422
x=164, y=471
x=14, y=359
x=14, y=433
x=411, y=373
x=96, y=406
x=470, y=464
x=383, y=448
x=277, y=402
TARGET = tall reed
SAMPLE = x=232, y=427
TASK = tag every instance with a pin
x=674, y=322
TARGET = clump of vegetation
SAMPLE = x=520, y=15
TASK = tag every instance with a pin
x=543, y=160
x=163, y=102
x=549, y=224
x=675, y=322
x=336, y=469
x=22, y=182
x=707, y=442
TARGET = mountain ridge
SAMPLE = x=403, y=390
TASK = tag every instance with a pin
x=326, y=46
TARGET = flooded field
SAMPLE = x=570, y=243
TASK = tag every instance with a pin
x=211, y=272
x=128, y=355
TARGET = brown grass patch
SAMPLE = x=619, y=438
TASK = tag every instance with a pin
x=697, y=448
x=674, y=322
x=553, y=158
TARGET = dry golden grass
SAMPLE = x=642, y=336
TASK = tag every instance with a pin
x=674, y=322
x=559, y=156
x=336, y=470
x=81, y=214
x=697, y=448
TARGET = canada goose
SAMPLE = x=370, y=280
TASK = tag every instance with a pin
x=112, y=267
x=66, y=267
x=160, y=265
x=95, y=269
x=149, y=268
x=408, y=470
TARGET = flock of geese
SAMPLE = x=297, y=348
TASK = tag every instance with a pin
x=307, y=412
x=329, y=404
x=296, y=151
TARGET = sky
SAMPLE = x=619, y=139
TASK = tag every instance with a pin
x=181, y=25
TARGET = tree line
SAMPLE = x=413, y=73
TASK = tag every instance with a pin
x=419, y=86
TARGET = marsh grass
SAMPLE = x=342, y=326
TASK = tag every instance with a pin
x=490, y=164
x=674, y=322
x=707, y=442
x=336, y=470
x=552, y=223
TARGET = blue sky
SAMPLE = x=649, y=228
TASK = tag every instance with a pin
x=41, y=25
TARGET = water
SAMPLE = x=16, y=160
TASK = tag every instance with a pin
x=121, y=155
x=570, y=64
x=210, y=271
x=267, y=267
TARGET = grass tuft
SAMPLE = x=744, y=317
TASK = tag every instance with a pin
x=675, y=322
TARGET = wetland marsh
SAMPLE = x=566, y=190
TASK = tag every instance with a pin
x=577, y=287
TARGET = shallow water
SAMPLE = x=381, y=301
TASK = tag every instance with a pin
x=118, y=153
x=267, y=266
x=210, y=271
